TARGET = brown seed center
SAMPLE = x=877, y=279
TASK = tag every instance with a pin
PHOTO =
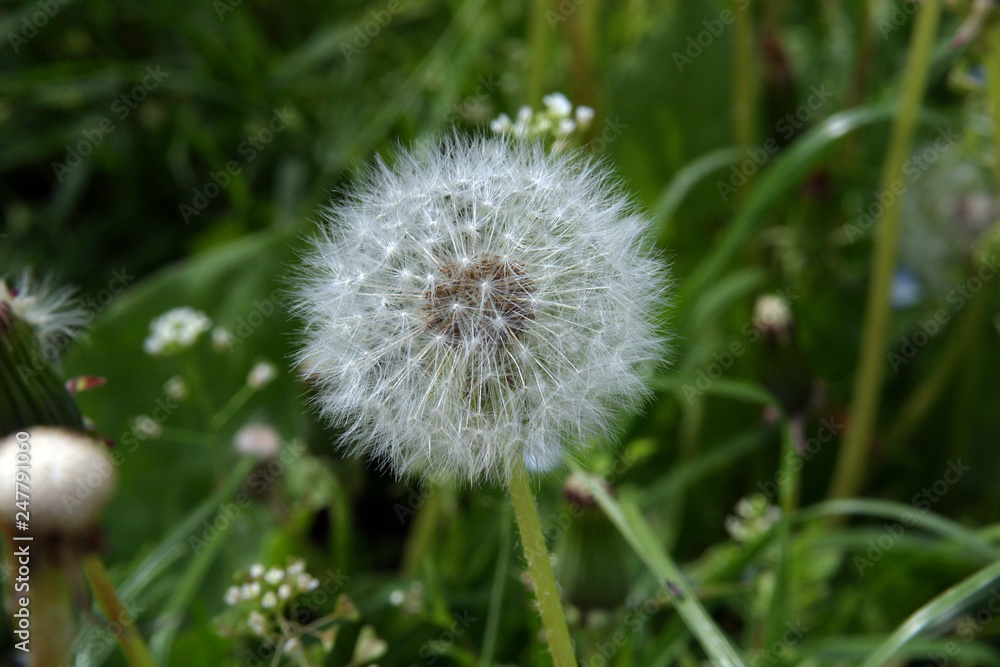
x=482, y=299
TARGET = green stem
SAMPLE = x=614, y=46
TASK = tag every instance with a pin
x=538, y=56
x=744, y=79
x=849, y=471
x=237, y=401
x=788, y=495
x=540, y=568
x=131, y=642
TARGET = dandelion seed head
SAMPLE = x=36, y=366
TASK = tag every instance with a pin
x=53, y=312
x=512, y=319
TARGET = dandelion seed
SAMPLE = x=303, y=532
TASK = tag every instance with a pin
x=513, y=319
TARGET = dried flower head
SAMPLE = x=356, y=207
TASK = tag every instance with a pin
x=479, y=302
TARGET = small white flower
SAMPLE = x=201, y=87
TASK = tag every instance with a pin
x=479, y=302
x=258, y=440
x=566, y=126
x=147, y=426
x=274, y=575
x=558, y=105
x=257, y=623
x=296, y=568
x=222, y=340
x=501, y=124
x=233, y=595
x=176, y=388
x=304, y=582
x=256, y=571
x=250, y=591
x=261, y=375
x=584, y=117
x=396, y=597
x=284, y=592
x=269, y=600
x=175, y=330
x=291, y=646
x=52, y=313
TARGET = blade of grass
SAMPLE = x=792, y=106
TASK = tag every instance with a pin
x=850, y=467
x=629, y=520
x=908, y=516
x=941, y=608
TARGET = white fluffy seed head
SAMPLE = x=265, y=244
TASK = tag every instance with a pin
x=53, y=312
x=477, y=303
x=70, y=478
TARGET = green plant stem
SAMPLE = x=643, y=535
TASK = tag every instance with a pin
x=539, y=32
x=788, y=497
x=850, y=468
x=540, y=568
x=131, y=642
x=425, y=525
x=993, y=91
x=226, y=412
x=744, y=79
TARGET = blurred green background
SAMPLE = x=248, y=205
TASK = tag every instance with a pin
x=752, y=132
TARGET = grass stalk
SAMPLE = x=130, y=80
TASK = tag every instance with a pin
x=850, y=467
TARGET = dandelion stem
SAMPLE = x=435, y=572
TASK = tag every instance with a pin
x=540, y=568
x=132, y=644
x=849, y=472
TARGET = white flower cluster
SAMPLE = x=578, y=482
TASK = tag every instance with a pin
x=754, y=518
x=269, y=588
x=480, y=302
x=51, y=312
x=175, y=330
x=557, y=122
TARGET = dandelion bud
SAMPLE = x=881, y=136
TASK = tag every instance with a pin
x=72, y=478
x=479, y=302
